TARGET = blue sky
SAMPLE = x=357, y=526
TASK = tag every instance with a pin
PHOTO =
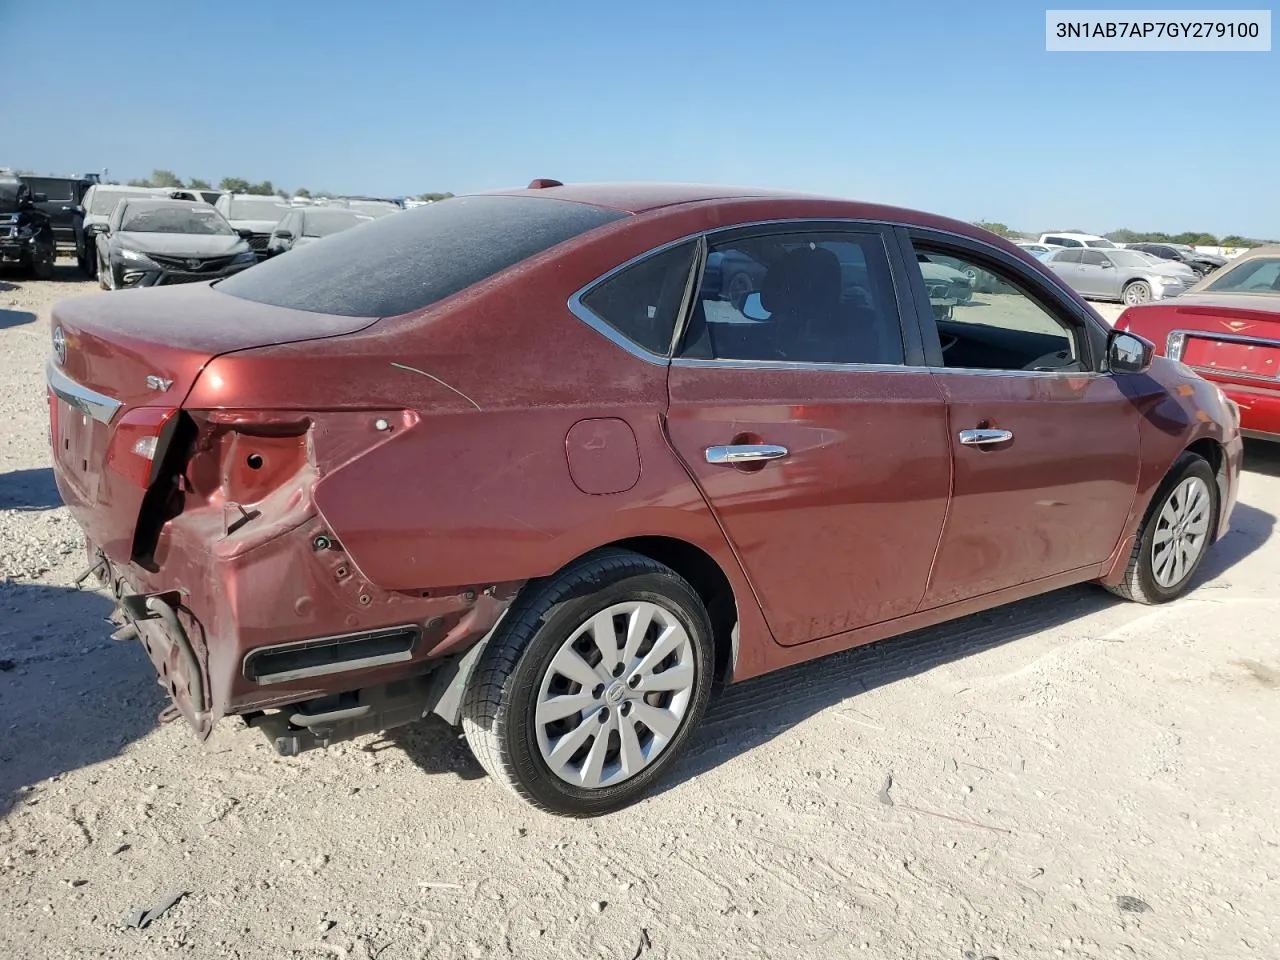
x=944, y=106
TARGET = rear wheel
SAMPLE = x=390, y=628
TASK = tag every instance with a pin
x=42, y=265
x=1174, y=535
x=1137, y=291
x=592, y=686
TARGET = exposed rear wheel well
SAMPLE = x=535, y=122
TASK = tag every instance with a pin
x=706, y=577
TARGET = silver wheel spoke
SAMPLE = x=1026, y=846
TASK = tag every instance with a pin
x=660, y=721
x=568, y=745
x=570, y=663
x=637, y=626
x=557, y=708
x=606, y=641
x=631, y=756
x=662, y=648
x=678, y=677
x=594, y=767
x=1163, y=535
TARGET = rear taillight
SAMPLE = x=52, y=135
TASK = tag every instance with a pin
x=138, y=441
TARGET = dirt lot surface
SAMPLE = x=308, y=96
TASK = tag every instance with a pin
x=1068, y=777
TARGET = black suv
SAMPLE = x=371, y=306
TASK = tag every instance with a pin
x=26, y=235
x=63, y=197
x=1201, y=263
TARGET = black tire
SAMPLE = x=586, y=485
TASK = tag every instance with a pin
x=87, y=264
x=498, y=710
x=42, y=265
x=104, y=274
x=1139, y=583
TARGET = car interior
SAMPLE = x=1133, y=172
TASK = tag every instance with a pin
x=817, y=302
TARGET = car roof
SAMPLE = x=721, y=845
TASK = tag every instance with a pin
x=159, y=202
x=641, y=197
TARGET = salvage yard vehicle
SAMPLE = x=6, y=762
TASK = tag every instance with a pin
x=63, y=203
x=1128, y=276
x=99, y=202
x=1068, y=239
x=1227, y=329
x=150, y=243
x=26, y=234
x=252, y=216
x=500, y=459
x=303, y=225
x=1200, y=263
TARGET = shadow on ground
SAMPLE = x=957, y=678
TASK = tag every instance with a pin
x=15, y=318
x=1261, y=456
x=748, y=715
x=69, y=696
x=29, y=490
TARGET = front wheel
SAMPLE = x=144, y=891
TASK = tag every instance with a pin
x=106, y=280
x=590, y=689
x=1139, y=291
x=42, y=265
x=1174, y=535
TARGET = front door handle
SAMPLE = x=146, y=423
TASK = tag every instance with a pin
x=745, y=453
x=981, y=438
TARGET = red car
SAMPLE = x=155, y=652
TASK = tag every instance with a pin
x=1227, y=329
x=518, y=459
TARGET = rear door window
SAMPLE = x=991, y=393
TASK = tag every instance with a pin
x=400, y=264
x=797, y=297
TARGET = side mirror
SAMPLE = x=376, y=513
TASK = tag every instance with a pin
x=284, y=235
x=1108, y=265
x=245, y=233
x=1128, y=352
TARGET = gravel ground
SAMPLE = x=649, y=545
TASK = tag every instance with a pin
x=1071, y=776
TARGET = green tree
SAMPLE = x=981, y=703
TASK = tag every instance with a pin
x=302, y=192
x=1237, y=241
x=433, y=196
x=140, y=183
x=166, y=178
x=197, y=184
x=234, y=184
x=266, y=188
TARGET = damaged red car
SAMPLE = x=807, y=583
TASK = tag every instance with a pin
x=550, y=462
x=1227, y=329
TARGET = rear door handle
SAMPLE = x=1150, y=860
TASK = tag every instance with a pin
x=745, y=453
x=981, y=438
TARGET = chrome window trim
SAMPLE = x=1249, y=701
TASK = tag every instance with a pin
x=597, y=323
x=1229, y=338
x=97, y=405
x=816, y=365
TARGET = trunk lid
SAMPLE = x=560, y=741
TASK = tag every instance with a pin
x=123, y=364
x=1230, y=337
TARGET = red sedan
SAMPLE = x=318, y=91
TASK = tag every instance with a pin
x=1227, y=329
x=529, y=461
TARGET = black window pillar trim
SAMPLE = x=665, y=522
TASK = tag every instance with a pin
x=1094, y=332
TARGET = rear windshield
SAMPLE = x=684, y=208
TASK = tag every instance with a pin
x=104, y=201
x=321, y=223
x=257, y=208
x=399, y=264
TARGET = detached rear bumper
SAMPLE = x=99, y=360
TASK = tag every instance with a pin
x=274, y=616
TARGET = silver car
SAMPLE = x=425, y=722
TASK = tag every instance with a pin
x=1123, y=275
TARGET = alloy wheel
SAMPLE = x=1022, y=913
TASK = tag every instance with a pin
x=615, y=694
x=1182, y=530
